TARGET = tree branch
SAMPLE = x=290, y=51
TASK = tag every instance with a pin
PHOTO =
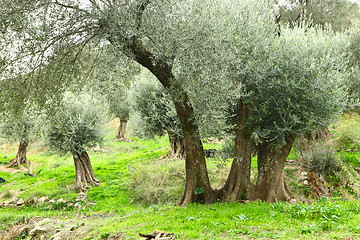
x=71, y=7
x=140, y=13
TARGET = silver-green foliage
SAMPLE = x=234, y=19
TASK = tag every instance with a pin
x=78, y=124
x=301, y=85
x=112, y=78
x=24, y=125
x=227, y=48
x=153, y=111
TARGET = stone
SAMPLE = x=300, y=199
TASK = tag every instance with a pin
x=37, y=231
x=306, y=182
x=61, y=200
x=14, y=200
x=304, y=175
x=20, y=202
x=81, y=197
x=43, y=200
x=52, y=201
x=77, y=205
x=293, y=201
x=91, y=204
x=57, y=236
x=32, y=201
x=6, y=203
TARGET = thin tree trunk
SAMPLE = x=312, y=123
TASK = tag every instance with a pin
x=238, y=185
x=84, y=172
x=120, y=136
x=20, y=156
x=270, y=185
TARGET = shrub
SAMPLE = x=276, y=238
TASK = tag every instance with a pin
x=322, y=159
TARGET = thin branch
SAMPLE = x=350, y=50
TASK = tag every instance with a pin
x=71, y=7
x=140, y=13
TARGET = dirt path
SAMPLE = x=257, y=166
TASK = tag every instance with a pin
x=4, y=168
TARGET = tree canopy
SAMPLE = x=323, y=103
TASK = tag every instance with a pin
x=273, y=86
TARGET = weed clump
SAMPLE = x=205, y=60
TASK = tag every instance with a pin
x=159, y=182
x=322, y=159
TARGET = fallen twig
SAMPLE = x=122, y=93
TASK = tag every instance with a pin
x=33, y=175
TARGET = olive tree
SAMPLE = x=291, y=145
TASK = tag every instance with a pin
x=224, y=43
x=23, y=126
x=276, y=88
x=151, y=33
x=154, y=113
x=112, y=78
x=78, y=125
x=340, y=14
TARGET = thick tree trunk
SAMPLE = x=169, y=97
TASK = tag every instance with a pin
x=177, y=147
x=197, y=187
x=270, y=185
x=84, y=172
x=238, y=182
x=120, y=136
x=20, y=156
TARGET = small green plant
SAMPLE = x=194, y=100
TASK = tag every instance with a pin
x=199, y=190
x=309, y=229
x=104, y=235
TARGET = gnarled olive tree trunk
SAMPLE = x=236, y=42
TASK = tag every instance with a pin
x=84, y=172
x=238, y=185
x=120, y=136
x=197, y=187
x=270, y=184
x=20, y=156
x=177, y=147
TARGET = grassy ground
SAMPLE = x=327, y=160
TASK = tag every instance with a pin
x=115, y=211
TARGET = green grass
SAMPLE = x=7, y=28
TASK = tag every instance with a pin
x=115, y=212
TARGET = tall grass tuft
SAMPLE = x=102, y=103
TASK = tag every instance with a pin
x=348, y=133
x=163, y=182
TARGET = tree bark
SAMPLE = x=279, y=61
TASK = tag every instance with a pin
x=270, y=185
x=20, y=157
x=120, y=136
x=197, y=187
x=84, y=173
x=238, y=182
x=177, y=147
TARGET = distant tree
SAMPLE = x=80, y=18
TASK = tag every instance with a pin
x=148, y=32
x=354, y=49
x=340, y=14
x=179, y=42
x=154, y=113
x=78, y=125
x=21, y=126
x=112, y=78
